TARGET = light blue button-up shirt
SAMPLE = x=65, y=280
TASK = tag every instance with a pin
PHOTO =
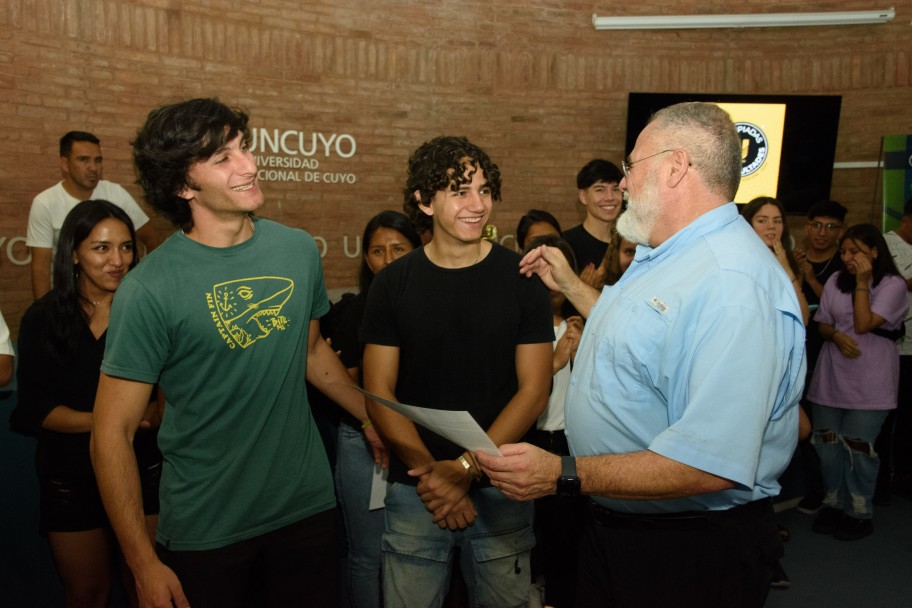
x=697, y=354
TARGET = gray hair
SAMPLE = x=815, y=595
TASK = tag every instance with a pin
x=707, y=133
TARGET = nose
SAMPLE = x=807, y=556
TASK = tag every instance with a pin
x=249, y=167
x=387, y=256
x=475, y=201
x=116, y=258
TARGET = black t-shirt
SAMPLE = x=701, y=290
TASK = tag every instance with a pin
x=45, y=383
x=586, y=248
x=823, y=271
x=457, y=332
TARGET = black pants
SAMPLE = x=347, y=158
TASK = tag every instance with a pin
x=718, y=559
x=293, y=566
x=559, y=523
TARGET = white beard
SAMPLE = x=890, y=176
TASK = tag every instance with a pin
x=638, y=221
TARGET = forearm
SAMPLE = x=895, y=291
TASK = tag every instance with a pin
x=518, y=416
x=581, y=295
x=863, y=317
x=534, y=387
x=63, y=419
x=326, y=372
x=826, y=331
x=119, y=408
x=399, y=433
x=117, y=474
x=644, y=475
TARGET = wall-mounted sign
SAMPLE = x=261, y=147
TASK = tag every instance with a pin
x=295, y=156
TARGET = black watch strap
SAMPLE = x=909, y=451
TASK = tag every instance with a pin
x=568, y=484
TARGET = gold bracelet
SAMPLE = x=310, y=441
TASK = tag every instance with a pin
x=469, y=468
x=366, y=424
x=862, y=289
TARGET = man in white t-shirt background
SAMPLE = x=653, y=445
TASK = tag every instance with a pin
x=81, y=165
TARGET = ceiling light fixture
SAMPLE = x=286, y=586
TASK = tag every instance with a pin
x=679, y=22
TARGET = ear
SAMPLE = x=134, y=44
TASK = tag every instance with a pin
x=582, y=197
x=680, y=165
x=187, y=193
x=426, y=209
x=63, y=165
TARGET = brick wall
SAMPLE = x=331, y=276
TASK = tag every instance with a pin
x=530, y=81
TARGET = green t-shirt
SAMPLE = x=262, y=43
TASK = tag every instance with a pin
x=224, y=333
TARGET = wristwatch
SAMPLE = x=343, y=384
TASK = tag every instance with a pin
x=568, y=484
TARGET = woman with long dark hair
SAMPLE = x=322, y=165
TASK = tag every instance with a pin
x=61, y=343
x=388, y=236
x=856, y=378
x=767, y=217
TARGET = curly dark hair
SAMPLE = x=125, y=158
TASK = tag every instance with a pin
x=175, y=137
x=442, y=163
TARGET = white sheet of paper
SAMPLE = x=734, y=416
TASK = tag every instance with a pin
x=378, y=488
x=459, y=427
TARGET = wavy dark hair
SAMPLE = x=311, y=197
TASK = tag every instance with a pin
x=385, y=219
x=67, y=316
x=750, y=210
x=175, y=137
x=533, y=216
x=441, y=163
x=882, y=265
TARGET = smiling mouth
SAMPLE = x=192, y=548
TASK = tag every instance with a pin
x=470, y=220
x=244, y=188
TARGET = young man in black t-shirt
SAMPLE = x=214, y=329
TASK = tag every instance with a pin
x=454, y=326
x=818, y=261
x=600, y=194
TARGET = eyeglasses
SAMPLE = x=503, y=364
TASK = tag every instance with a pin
x=627, y=165
x=816, y=226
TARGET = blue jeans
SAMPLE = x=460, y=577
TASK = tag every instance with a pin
x=363, y=528
x=494, y=551
x=844, y=440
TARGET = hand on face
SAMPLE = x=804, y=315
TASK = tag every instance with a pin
x=863, y=268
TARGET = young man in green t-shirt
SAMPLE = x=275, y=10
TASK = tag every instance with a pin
x=224, y=317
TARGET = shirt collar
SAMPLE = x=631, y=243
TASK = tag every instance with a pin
x=697, y=229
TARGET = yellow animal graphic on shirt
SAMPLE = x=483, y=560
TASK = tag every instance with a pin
x=247, y=310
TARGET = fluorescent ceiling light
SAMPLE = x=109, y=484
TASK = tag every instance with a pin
x=679, y=22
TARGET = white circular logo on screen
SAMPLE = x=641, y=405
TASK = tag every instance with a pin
x=754, y=147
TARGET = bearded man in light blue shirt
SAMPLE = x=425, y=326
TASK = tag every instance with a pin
x=682, y=406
